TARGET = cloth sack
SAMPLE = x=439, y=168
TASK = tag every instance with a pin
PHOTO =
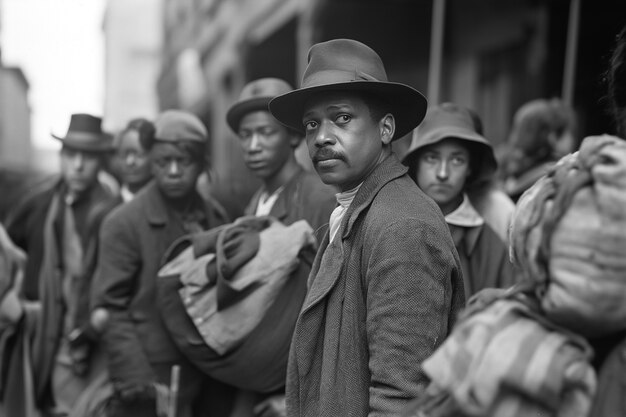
x=504, y=359
x=230, y=298
x=569, y=238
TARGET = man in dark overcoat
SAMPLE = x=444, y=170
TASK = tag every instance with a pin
x=57, y=225
x=134, y=239
x=386, y=283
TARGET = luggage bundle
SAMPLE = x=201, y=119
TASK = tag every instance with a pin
x=569, y=238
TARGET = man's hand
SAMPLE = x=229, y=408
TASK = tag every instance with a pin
x=272, y=407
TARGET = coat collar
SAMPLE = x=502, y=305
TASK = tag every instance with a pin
x=157, y=211
x=280, y=209
x=389, y=169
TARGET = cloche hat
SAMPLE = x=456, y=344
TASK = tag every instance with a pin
x=351, y=66
x=178, y=125
x=450, y=120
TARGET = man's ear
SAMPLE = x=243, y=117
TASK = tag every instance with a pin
x=387, y=126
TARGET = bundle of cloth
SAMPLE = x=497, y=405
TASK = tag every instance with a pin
x=528, y=350
x=230, y=297
x=569, y=238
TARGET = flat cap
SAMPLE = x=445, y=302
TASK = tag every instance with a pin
x=179, y=125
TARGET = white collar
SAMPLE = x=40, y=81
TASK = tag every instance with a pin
x=126, y=194
x=465, y=215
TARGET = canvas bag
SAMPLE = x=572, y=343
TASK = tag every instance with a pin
x=568, y=237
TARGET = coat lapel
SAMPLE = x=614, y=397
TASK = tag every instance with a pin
x=325, y=271
x=329, y=261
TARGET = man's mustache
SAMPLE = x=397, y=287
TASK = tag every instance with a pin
x=323, y=154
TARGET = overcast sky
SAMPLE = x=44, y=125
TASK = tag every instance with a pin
x=59, y=45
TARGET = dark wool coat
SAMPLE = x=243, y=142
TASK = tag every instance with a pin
x=383, y=296
x=35, y=228
x=133, y=240
x=484, y=258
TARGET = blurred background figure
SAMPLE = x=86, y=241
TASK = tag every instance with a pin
x=446, y=159
x=57, y=226
x=615, y=77
x=130, y=161
x=543, y=131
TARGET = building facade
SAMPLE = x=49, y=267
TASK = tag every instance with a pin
x=492, y=55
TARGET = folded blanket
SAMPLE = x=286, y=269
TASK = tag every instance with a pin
x=504, y=359
x=239, y=289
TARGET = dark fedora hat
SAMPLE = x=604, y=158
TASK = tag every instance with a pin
x=255, y=96
x=348, y=65
x=85, y=133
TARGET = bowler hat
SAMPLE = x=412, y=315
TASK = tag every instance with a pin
x=449, y=120
x=350, y=66
x=255, y=96
x=179, y=125
x=85, y=133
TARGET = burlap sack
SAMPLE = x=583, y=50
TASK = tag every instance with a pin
x=569, y=238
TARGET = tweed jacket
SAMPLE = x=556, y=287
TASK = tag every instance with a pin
x=382, y=297
x=305, y=197
x=133, y=240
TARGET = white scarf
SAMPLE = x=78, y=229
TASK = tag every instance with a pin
x=344, y=199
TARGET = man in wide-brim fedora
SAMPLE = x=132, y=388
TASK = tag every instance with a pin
x=57, y=226
x=386, y=283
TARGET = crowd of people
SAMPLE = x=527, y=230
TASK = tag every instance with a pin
x=358, y=289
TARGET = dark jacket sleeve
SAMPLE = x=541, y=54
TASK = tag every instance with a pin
x=414, y=289
x=117, y=276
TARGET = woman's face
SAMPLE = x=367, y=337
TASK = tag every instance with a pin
x=175, y=170
x=441, y=172
x=132, y=161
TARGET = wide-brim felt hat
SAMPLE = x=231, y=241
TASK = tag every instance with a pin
x=255, y=96
x=449, y=120
x=346, y=65
x=85, y=134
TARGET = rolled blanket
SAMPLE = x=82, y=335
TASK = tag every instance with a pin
x=569, y=238
x=230, y=298
x=504, y=359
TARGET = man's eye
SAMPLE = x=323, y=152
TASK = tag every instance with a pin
x=310, y=125
x=430, y=158
x=458, y=160
x=344, y=118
